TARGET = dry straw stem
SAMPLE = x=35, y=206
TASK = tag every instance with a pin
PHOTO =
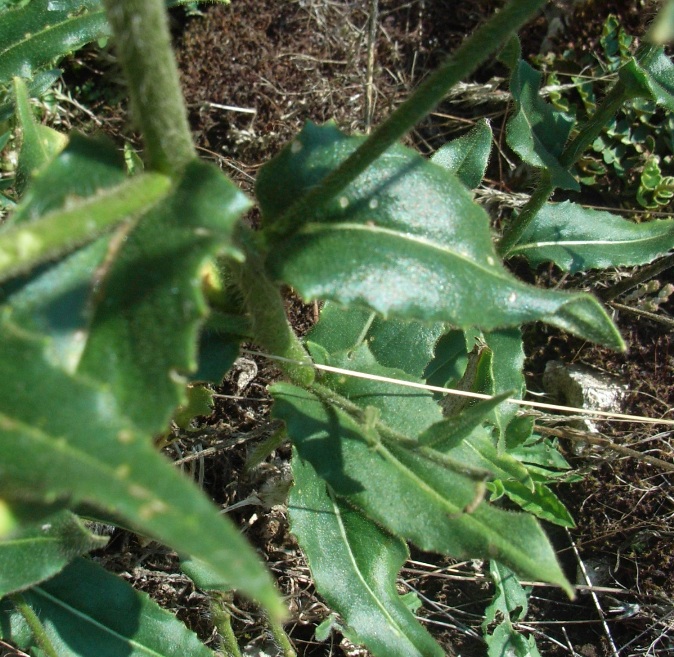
x=619, y=417
x=593, y=439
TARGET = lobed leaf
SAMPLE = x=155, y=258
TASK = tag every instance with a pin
x=78, y=445
x=117, y=621
x=374, y=477
x=404, y=240
x=354, y=564
x=35, y=553
x=467, y=156
x=579, y=239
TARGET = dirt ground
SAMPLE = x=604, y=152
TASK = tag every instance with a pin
x=253, y=73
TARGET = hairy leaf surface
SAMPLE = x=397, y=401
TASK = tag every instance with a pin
x=406, y=240
x=144, y=329
x=408, y=346
x=78, y=444
x=579, y=239
x=406, y=410
x=37, y=552
x=354, y=564
x=374, y=477
x=34, y=35
x=467, y=156
x=117, y=621
x=536, y=131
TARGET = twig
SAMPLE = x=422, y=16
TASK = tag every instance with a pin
x=604, y=442
x=669, y=323
x=644, y=274
x=371, y=44
x=227, y=444
x=595, y=598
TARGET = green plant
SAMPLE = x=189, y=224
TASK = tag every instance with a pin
x=628, y=154
x=109, y=290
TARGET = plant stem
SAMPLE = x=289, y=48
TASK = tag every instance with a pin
x=140, y=28
x=270, y=327
x=483, y=42
x=612, y=102
x=222, y=620
x=281, y=638
x=34, y=623
x=395, y=437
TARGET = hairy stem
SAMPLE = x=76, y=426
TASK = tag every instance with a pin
x=34, y=623
x=269, y=324
x=140, y=28
x=483, y=42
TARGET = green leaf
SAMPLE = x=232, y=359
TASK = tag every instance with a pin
x=34, y=35
x=540, y=501
x=143, y=337
x=407, y=346
x=507, y=371
x=408, y=411
x=467, y=156
x=26, y=245
x=404, y=240
x=78, y=444
x=477, y=450
x=510, y=599
x=35, y=87
x=459, y=426
x=579, y=239
x=507, y=641
x=35, y=553
x=39, y=144
x=83, y=169
x=450, y=358
x=42, y=31
x=653, y=78
x=374, y=477
x=536, y=131
x=354, y=565
x=86, y=610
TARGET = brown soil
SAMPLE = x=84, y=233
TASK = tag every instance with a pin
x=253, y=73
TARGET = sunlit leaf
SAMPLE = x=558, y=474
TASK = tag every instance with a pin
x=374, y=477
x=536, y=131
x=117, y=621
x=77, y=444
x=354, y=565
x=396, y=344
x=404, y=240
x=467, y=156
x=579, y=239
